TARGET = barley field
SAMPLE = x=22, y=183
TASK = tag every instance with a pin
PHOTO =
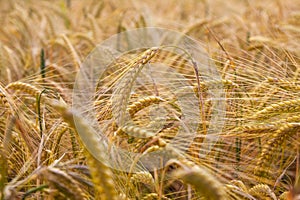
x=229, y=129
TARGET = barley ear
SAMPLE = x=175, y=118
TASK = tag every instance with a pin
x=102, y=175
x=278, y=108
x=262, y=190
x=154, y=196
x=70, y=47
x=24, y=87
x=63, y=182
x=143, y=103
x=272, y=145
x=143, y=177
x=205, y=183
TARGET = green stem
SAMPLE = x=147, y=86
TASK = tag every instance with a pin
x=33, y=190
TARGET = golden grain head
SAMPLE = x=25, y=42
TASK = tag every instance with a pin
x=238, y=94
